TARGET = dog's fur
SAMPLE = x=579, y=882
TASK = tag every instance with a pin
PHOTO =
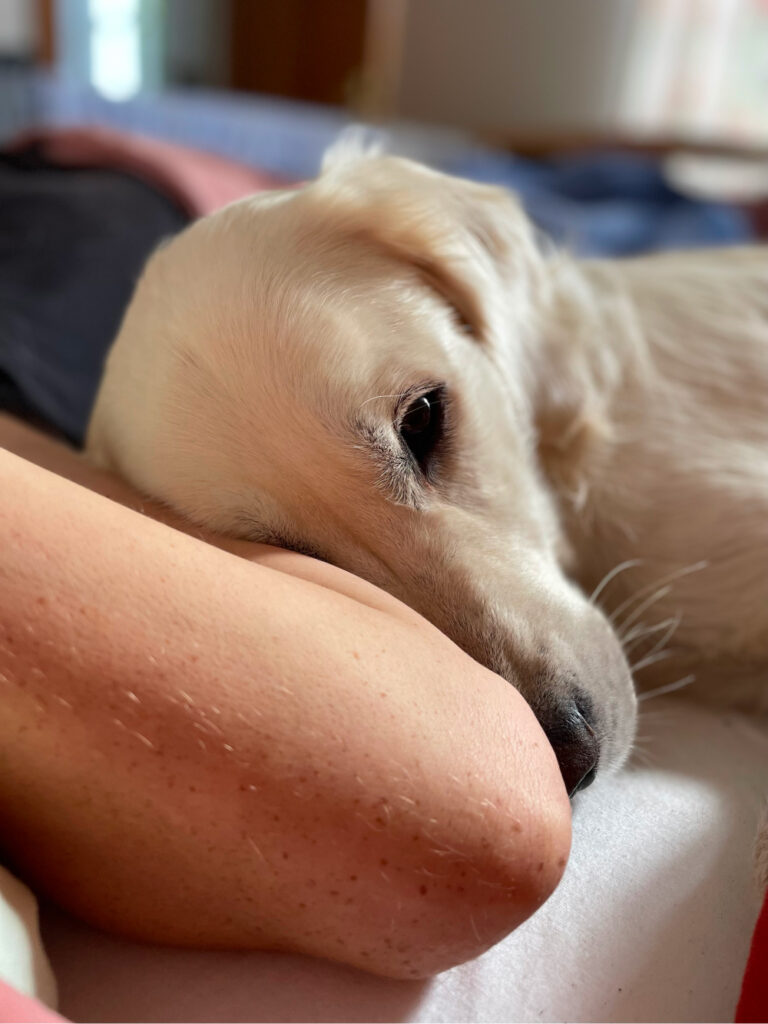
x=596, y=413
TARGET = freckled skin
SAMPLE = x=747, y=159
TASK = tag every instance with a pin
x=205, y=757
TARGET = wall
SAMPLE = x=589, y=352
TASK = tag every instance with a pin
x=197, y=42
x=528, y=67
x=18, y=31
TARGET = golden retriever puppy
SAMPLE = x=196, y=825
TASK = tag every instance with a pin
x=385, y=370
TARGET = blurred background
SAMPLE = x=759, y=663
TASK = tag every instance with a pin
x=687, y=79
x=625, y=126
x=529, y=72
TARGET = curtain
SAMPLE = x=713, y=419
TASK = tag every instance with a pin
x=699, y=69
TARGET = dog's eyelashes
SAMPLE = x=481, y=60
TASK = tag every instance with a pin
x=421, y=427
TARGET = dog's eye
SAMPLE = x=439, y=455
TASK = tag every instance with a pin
x=421, y=427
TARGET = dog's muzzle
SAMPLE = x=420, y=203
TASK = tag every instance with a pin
x=570, y=727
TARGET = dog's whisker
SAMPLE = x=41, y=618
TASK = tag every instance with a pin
x=669, y=626
x=670, y=578
x=611, y=575
x=651, y=659
x=664, y=639
x=641, y=632
x=667, y=688
x=657, y=595
x=641, y=629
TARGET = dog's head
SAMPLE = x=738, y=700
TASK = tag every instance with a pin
x=349, y=369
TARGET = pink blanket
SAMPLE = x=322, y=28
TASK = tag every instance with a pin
x=22, y=1009
x=199, y=182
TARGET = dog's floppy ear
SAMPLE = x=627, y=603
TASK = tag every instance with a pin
x=471, y=243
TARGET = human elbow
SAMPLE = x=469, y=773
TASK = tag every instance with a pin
x=471, y=889
x=475, y=848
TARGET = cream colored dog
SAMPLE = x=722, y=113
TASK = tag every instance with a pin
x=384, y=369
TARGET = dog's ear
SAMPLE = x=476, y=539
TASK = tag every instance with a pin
x=471, y=243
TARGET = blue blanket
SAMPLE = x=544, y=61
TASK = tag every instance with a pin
x=607, y=204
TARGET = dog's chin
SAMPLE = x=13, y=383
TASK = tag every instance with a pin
x=586, y=705
x=619, y=710
x=615, y=723
x=620, y=735
x=599, y=743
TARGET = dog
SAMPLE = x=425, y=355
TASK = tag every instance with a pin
x=386, y=369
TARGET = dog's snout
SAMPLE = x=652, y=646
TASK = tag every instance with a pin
x=569, y=727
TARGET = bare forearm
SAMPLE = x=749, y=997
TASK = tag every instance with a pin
x=19, y=439
x=200, y=750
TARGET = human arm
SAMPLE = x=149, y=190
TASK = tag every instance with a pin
x=201, y=749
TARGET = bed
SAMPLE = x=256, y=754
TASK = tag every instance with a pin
x=651, y=923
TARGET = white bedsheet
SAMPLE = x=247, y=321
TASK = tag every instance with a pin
x=652, y=921
x=23, y=963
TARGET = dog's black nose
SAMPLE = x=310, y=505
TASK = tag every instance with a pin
x=569, y=728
